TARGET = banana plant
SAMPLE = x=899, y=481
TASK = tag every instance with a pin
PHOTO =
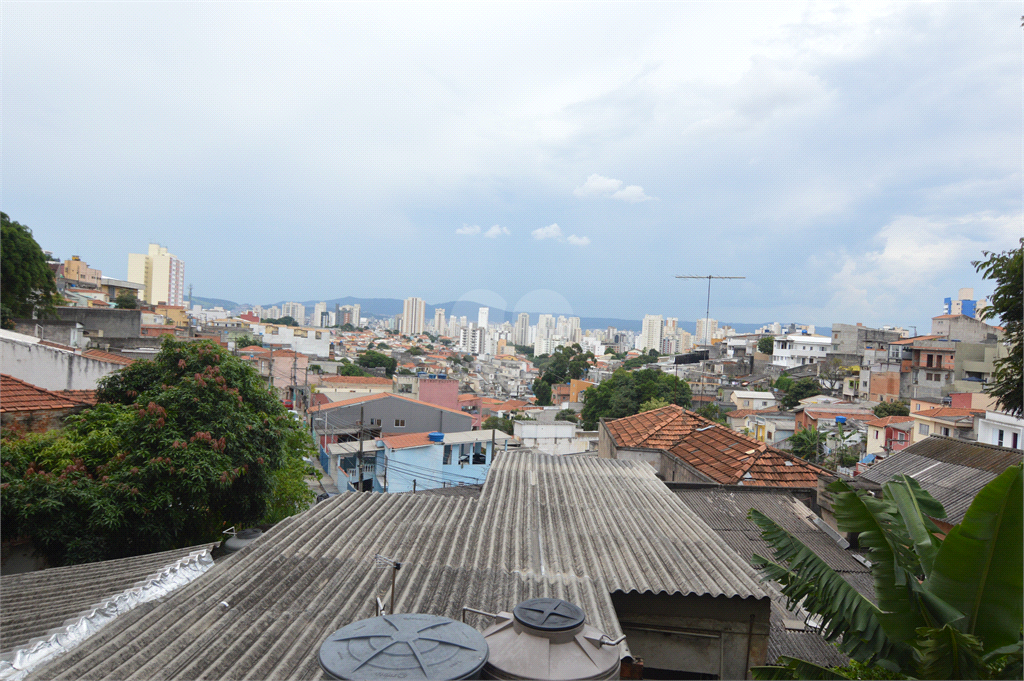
x=948, y=606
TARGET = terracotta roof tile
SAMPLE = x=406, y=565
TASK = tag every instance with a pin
x=358, y=380
x=655, y=429
x=81, y=396
x=889, y=420
x=743, y=413
x=947, y=412
x=406, y=440
x=109, y=357
x=19, y=395
x=253, y=348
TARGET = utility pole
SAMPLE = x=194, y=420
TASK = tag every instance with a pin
x=707, y=315
x=359, y=463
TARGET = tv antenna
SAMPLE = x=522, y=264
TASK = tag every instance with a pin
x=707, y=313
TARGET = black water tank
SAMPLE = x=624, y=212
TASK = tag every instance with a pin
x=404, y=646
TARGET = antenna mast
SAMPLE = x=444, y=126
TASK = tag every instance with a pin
x=707, y=313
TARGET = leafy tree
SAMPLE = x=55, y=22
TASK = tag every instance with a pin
x=371, y=358
x=524, y=350
x=468, y=359
x=316, y=368
x=831, y=374
x=566, y=363
x=245, y=341
x=126, y=300
x=287, y=320
x=348, y=369
x=639, y=361
x=415, y=350
x=624, y=392
x=542, y=391
x=652, y=353
x=347, y=327
x=498, y=423
x=808, y=443
x=1007, y=270
x=446, y=341
x=949, y=606
x=766, y=345
x=380, y=346
x=27, y=285
x=712, y=412
x=653, y=403
x=898, y=408
x=784, y=382
x=404, y=372
x=804, y=388
x=178, y=448
x=567, y=415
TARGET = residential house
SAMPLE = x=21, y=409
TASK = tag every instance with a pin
x=685, y=447
x=1001, y=429
x=432, y=388
x=889, y=434
x=555, y=437
x=964, y=329
x=812, y=415
x=748, y=399
x=800, y=349
x=946, y=421
x=31, y=409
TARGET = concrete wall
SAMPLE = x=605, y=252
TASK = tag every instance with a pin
x=444, y=392
x=109, y=321
x=695, y=634
x=23, y=357
x=419, y=418
x=65, y=333
x=39, y=421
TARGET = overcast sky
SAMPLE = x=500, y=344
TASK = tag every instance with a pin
x=850, y=160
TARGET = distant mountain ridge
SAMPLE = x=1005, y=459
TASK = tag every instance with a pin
x=389, y=307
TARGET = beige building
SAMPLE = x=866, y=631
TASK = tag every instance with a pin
x=77, y=271
x=161, y=273
x=412, y=316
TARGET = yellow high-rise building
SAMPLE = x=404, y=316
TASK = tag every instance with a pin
x=161, y=273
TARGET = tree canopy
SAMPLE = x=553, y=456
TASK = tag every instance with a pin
x=804, y=388
x=178, y=448
x=624, y=392
x=126, y=300
x=287, y=320
x=498, y=423
x=808, y=443
x=898, y=408
x=566, y=362
x=1007, y=270
x=246, y=341
x=371, y=358
x=27, y=285
x=349, y=369
x=542, y=391
x=567, y=415
x=766, y=345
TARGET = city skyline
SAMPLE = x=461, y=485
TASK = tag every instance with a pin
x=849, y=160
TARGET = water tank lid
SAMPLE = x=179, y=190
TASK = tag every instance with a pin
x=406, y=645
x=241, y=539
x=436, y=436
x=549, y=614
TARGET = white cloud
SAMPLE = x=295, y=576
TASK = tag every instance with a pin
x=598, y=185
x=633, y=194
x=579, y=240
x=549, y=232
x=496, y=231
x=468, y=230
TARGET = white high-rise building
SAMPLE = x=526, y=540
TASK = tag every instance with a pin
x=650, y=333
x=296, y=311
x=706, y=328
x=320, y=317
x=161, y=273
x=481, y=317
x=412, y=316
x=575, y=332
x=439, y=327
x=521, y=335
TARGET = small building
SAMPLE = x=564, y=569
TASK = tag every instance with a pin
x=1001, y=429
x=432, y=388
x=749, y=399
x=946, y=421
x=889, y=434
x=809, y=416
x=28, y=408
x=556, y=437
x=338, y=388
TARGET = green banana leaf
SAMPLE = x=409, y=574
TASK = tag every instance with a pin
x=947, y=653
x=808, y=580
x=914, y=509
x=979, y=568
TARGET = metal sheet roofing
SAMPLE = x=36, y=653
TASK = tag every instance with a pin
x=574, y=528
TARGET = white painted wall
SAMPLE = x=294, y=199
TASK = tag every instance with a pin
x=994, y=421
x=23, y=357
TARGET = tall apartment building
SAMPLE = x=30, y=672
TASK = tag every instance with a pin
x=575, y=333
x=320, y=317
x=161, y=273
x=439, y=326
x=706, y=330
x=481, y=317
x=75, y=270
x=964, y=304
x=412, y=316
x=521, y=334
x=296, y=311
x=650, y=333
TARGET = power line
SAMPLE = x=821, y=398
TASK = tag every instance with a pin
x=707, y=314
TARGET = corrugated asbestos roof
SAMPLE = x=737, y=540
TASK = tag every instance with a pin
x=952, y=471
x=574, y=528
x=35, y=602
x=725, y=510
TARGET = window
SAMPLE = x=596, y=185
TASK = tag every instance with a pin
x=375, y=422
x=876, y=434
x=399, y=423
x=447, y=455
x=746, y=403
x=930, y=360
x=918, y=407
x=479, y=455
x=945, y=431
x=900, y=437
x=1013, y=439
x=923, y=429
x=464, y=450
x=999, y=438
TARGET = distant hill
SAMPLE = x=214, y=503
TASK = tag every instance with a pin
x=214, y=302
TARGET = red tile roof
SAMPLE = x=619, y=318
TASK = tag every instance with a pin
x=948, y=412
x=82, y=396
x=109, y=357
x=357, y=380
x=253, y=348
x=889, y=420
x=716, y=451
x=19, y=395
x=378, y=396
x=320, y=398
x=818, y=414
x=406, y=440
x=743, y=413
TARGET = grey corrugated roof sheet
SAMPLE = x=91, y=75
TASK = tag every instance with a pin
x=952, y=471
x=725, y=510
x=32, y=603
x=575, y=528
